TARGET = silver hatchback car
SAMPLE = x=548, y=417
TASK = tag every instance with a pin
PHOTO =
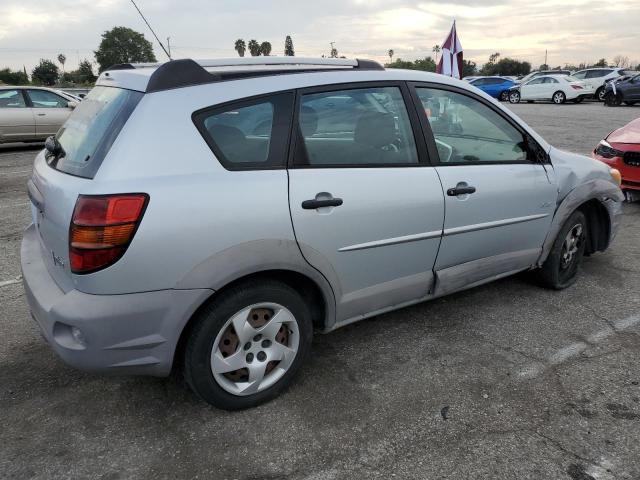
x=209, y=216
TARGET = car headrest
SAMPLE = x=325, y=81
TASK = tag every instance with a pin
x=375, y=129
x=308, y=121
x=226, y=137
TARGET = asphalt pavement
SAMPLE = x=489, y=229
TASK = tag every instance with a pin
x=504, y=381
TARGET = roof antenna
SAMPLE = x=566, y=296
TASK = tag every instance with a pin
x=154, y=33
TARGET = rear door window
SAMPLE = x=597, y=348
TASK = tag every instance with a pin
x=92, y=128
x=355, y=127
x=248, y=135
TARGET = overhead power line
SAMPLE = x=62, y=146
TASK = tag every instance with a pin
x=154, y=33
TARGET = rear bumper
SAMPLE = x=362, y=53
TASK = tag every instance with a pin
x=134, y=333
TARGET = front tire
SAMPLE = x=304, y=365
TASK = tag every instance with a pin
x=631, y=104
x=559, y=98
x=247, y=345
x=600, y=94
x=560, y=270
x=504, y=96
x=514, y=97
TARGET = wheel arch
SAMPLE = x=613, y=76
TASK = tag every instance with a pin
x=321, y=304
x=596, y=199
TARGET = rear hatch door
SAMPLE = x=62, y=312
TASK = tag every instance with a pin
x=58, y=178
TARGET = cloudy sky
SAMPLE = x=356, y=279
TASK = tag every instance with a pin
x=572, y=31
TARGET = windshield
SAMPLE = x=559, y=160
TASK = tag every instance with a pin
x=92, y=128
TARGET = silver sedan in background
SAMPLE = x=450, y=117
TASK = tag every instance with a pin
x=31, y=114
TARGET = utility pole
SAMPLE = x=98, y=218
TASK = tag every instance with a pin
x=169, y=46
x=545, y=58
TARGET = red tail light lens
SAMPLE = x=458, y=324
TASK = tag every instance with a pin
x=576, y=87
x=102, y=228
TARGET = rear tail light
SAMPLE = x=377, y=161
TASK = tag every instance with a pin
x=102, y=228
x=576, y=87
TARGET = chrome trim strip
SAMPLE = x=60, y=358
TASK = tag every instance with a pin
x=497, y=223
x=392, y=241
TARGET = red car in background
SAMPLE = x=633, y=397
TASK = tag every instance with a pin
x=621, y=149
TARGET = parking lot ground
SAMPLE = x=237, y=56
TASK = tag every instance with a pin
x=502, y=381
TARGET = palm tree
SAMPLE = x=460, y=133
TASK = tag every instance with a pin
x=390, y=53
x=436, y=49
x=254, y=48
x=62, y=59
x=265, y=48
x=240, y=47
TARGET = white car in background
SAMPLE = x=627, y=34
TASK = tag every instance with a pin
x=555, y=88
x=596, y=78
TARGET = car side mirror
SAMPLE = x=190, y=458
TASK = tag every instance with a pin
x=72, y=104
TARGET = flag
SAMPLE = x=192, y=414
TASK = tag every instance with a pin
x=451, y=61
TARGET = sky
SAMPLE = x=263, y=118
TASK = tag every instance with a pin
x=572, y=31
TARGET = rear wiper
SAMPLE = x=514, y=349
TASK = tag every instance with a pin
x=54, y=148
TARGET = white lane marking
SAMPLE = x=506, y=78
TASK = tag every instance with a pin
x=16, y=172
x=564, y=354
x=4, y=283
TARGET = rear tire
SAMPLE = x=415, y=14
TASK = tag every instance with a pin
x=243, y=327
x=560, y=269
x=559, y=98
x=578, y=100
x=504, y=96
x=631, y=104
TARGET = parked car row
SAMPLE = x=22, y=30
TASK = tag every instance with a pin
x=547, y=85
x=31, y=114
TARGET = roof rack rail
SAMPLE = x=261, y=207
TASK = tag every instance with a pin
x=187, y=72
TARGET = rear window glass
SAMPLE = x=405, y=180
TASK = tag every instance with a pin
x=92, y=128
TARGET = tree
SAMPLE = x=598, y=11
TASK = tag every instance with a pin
x=254, y=48
x=84, y=73
x=506, y=66
x=265, y=48
x=469, y=68
x=288, y=47
x=601, y=63
x=436, y=49
x=334, y=51
x=123, y=45
x=390, y=53
x=544, y=66
x=10, y=77
x=427, y=64
x=240, y=47
x=45, y=73
x=62, y=58
x=493, y=58
x=621, y=61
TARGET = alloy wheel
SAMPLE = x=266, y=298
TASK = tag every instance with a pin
x=571, y=246
x=255, y=348
x=514, y=97
x=558, y=98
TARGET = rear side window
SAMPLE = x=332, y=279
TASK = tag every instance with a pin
x=248, y=135
x=92, y=128
x=356, y=127
x=11, y=99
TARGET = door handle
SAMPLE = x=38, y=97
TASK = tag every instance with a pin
x=329, y=202
x=41, y=114
x=467, y=190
